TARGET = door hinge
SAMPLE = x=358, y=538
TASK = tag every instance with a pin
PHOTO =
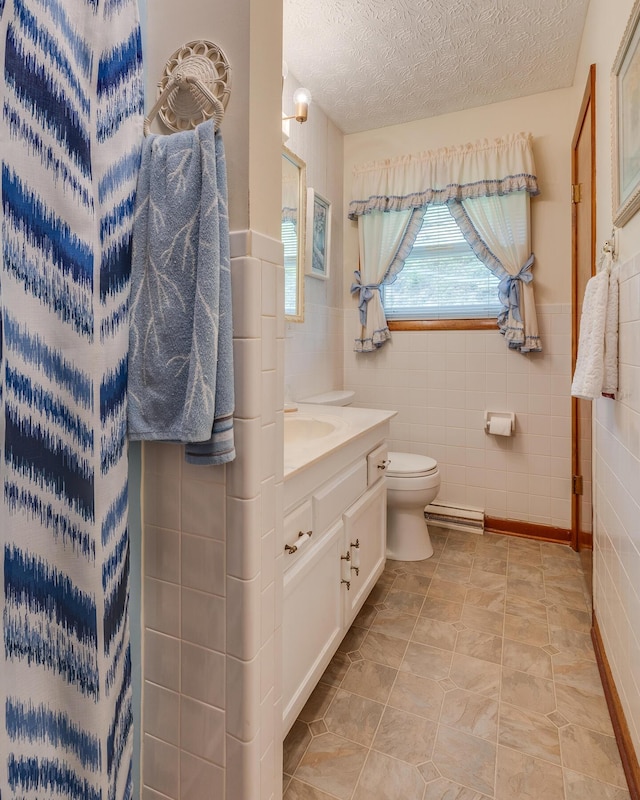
x=576, y=192
x=577, y=484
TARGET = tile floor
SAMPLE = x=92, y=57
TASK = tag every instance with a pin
x=468, y=676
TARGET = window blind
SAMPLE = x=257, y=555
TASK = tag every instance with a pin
x=442, y=277
x=290, y=243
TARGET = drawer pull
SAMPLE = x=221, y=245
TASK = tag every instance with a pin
x=345, y=569
x=348, y=584
x=383, y=464
x=303, y=538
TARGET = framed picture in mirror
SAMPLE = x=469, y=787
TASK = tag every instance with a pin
x=317, y=261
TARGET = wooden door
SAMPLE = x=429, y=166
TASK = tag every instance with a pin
x=583, y=267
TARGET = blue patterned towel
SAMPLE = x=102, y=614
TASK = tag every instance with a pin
x=180, y=357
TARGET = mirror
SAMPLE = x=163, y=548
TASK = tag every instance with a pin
x=294, y=214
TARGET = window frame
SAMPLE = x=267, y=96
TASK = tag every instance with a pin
x=445, y=324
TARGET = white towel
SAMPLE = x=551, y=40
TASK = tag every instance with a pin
x=597, y=363
x=610, y=380
x=587, y=379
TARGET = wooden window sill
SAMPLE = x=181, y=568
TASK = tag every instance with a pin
x=485, y=324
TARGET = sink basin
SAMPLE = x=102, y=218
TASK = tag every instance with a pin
x=299, y=429
x=317, y=435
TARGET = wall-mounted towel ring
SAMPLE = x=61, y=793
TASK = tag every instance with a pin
x=195, y=86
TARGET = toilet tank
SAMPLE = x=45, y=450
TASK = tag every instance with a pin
x=338, y=397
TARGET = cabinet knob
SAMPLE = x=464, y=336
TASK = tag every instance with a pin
x=383, y=464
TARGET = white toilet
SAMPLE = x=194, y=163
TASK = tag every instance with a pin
x=413, y=482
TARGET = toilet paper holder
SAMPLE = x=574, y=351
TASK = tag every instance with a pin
x=500, y=415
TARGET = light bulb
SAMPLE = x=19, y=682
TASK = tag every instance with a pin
x=301, y=100
x=302, y=95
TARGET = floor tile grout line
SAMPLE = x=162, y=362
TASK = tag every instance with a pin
x=386, y=705
x=530, y=755
x=495, y=769
x=437, y=723
x=439, y=720
x=555, y=694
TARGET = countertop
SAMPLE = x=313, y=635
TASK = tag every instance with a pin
x=352, y=423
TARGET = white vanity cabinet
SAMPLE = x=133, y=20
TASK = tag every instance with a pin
x=328, y=577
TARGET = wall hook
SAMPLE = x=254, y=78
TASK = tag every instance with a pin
x=610, y=244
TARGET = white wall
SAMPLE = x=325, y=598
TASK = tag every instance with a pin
x=313, y=348
x=617, y=424
x=441, y=382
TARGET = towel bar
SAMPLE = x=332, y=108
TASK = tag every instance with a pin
x=195, y=86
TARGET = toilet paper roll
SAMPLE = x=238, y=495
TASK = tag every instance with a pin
x=501, y=426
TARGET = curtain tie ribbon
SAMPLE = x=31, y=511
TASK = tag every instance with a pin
x=509, y=288
x=366, y=293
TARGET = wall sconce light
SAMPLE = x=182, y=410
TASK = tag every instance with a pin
x=301, y=101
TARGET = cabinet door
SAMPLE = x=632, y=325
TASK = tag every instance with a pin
x=365, y=523
x=311, y=620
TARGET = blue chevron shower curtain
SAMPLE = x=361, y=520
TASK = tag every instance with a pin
x=70, y=135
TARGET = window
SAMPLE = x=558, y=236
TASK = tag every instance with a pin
x=289, y=237
x=442, y=277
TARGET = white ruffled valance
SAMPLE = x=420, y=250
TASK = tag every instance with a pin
x=482, y=169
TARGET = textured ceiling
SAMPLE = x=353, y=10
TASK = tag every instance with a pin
x=372, y=63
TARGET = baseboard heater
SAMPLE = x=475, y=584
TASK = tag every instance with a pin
x=460, y=518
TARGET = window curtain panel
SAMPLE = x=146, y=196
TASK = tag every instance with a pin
x=386, y=240
x=71, y=132
x=497, y=229
x=465, y=178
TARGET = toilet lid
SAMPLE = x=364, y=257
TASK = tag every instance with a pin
x=410, y=464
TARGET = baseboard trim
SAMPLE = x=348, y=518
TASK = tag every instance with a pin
x=527, y=530
x=585, y=540
x=620, y=728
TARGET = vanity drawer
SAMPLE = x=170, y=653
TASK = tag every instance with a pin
x=377, y=462
x=335, y=496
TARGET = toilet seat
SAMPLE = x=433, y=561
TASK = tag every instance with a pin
x=410, y=465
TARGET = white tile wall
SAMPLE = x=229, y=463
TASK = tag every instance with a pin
x=617, y=508
x=313, y=352
x=212, y=717
x=441, y=382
